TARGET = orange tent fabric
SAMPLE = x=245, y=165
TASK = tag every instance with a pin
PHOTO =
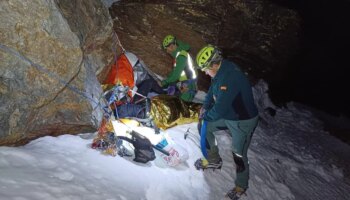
x=121, y=72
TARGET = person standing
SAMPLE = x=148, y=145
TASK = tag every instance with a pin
x=229, y=104
x=183, y=76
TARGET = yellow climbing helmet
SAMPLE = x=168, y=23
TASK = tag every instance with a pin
x=206, y=56
x=169, y=39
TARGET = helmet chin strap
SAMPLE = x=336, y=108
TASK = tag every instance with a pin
x=216, y=56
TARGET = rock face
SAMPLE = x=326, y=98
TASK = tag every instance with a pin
x=258, y=35
x=54, y=53
x=50, y=54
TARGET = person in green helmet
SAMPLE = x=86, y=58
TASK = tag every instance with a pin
x=229, y=104
x=183, y=76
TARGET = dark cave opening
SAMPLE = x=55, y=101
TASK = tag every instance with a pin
x=317, y=74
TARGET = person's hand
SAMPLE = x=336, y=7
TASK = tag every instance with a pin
x=201, y=113
x=200, y=119
x=184, y=89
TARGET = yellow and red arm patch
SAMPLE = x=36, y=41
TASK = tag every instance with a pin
x=223, y=87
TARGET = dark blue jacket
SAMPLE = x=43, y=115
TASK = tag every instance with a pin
x=230, y=95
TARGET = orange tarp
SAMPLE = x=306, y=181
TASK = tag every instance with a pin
x=121, y=72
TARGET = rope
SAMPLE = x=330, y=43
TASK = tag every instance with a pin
x=116, y=39
x=115, y=42
x=114, y=46
x=66, y=84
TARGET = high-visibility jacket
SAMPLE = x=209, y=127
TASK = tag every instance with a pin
x=183, y=73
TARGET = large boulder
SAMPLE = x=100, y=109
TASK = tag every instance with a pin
x=50, y=54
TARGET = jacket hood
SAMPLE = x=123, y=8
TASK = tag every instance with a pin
x=181, y=46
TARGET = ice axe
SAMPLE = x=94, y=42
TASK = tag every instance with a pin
x=192, y=137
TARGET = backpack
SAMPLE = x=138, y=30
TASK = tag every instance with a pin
x=143, y=147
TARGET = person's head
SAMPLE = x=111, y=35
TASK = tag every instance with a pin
x=169, y=43
x=209, y=59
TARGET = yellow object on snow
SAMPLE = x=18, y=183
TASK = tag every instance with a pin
x=130, y=122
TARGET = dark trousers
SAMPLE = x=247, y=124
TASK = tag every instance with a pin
x=147, y=86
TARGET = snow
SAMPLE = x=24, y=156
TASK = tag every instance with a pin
x=291, y=157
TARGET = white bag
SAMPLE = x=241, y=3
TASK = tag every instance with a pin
x=177, y=154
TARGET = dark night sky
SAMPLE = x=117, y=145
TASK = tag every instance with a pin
x=318, y=72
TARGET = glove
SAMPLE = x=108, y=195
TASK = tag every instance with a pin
x=199, y=125
x=200, y=119
x=201, y=113
x=171, y=90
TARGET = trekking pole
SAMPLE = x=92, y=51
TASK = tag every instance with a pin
x=143, y=97
x=161, y=150
x=195, y=140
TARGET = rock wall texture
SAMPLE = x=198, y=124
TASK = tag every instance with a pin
x=258, y=35
x=54, y=53
x=50, y=54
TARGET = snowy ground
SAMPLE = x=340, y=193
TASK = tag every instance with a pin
x=291, y=157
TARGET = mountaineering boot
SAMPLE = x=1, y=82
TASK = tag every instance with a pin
x=203, y=164
x=235, y=193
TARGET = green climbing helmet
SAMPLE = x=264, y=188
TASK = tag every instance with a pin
x=206, y=56
x=169, y=39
